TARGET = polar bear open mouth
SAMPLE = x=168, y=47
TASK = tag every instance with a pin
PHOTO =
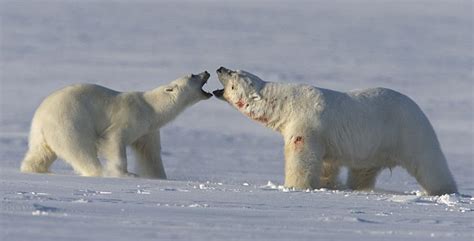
x=218, y=93
x=223, y=75
x=205, y=77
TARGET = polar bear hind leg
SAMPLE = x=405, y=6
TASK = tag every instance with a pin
x=38, y=158
x=83, y=162
x=80, y=153
x=147, y=150
x=362, y=179
x=432, y=173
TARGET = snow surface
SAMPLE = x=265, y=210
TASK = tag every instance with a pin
x=226, y=171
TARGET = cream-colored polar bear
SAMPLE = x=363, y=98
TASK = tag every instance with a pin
x=365, y=130
x=81, y=122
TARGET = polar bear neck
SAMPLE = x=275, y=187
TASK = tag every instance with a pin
x=270, y=110
x=165, y=107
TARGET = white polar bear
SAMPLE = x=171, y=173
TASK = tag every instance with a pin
x=81, y=122
x=365, y=130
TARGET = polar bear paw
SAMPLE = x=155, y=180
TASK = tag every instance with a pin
x=119, y=174
x=130, y=174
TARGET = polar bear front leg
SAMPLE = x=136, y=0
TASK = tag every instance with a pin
x=362, y=179
x=330, y=174
x=302, y=161
x=148, y=154
x=114, y=151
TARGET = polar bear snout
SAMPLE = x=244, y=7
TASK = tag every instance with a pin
x=223, y=70
x=203, y=77
x=223, y=75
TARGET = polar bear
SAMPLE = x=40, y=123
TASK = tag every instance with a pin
x=364, y=130
x=81, y=122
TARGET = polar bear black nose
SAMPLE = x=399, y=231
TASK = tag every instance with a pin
x=222, y=70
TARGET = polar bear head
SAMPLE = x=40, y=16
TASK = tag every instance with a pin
x=169, y=100
x=188, y=89
x=241, y=88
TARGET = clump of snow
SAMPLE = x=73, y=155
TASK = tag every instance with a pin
x=197, y=205
x=41, y=210
x=272, y=186
x=82, y=200
x=89, y=192
x=384, y=214
x=321, y=190
x=404, y=199
x=39, y=213
x=143, y=191
x=170, y=189
x=205, y=186
x=448, y=199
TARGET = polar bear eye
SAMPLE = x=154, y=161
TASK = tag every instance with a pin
x=232, y=87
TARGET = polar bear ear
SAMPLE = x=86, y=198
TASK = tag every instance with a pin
x=170, y=88
x=255, y=96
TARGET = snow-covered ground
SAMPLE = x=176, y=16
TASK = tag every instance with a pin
x=224, y=169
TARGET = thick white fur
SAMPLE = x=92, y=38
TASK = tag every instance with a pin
x=365, y=130
x=81, y=122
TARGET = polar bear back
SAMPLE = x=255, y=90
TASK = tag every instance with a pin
x=81, y=105
x=89, y=109
x=373, y=126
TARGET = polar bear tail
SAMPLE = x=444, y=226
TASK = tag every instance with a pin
x=39, y=156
